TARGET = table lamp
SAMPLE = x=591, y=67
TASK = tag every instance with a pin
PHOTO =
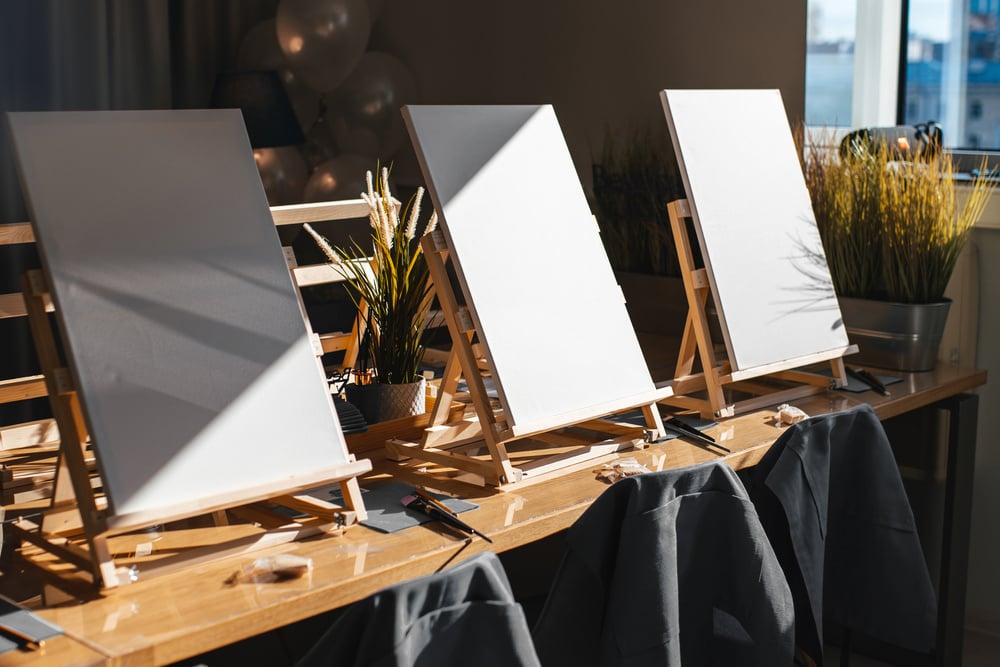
x=267, y=111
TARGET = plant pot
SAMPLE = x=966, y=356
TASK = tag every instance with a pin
x=383, y=402
x=896, y=336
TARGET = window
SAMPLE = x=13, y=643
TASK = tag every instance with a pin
x=830, y=36
x=852, y=62
x=952, y=72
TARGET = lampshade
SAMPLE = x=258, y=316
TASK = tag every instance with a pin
x=267, y=111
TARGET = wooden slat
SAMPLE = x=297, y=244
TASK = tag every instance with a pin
x=12, y=305
x=335, y=342
x=319, y=212
x=16, y=232
x=484, y=468
x=322, y=274
x=22, y=389
x=791, y=364
x=316, y=274
x=29, y=434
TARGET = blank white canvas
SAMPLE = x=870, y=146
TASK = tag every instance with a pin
x=755, y=225
x=529, y=258
x=178, y=314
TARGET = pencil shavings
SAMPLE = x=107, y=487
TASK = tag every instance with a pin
x=788, y=414
x=612, y=472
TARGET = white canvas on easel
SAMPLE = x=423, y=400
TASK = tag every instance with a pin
x=184, y=339
x=536, y=282
x=530, y=257
x=763, y=257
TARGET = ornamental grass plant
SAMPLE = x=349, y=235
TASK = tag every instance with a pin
x=892, y=229
x=632, y=185
x=390, y=286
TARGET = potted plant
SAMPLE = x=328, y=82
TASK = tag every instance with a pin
x=892, y=231
x=390, y=286
x=632, y=185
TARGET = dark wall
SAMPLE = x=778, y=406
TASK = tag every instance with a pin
x=600, y=63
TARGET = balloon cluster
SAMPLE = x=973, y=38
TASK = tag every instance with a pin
x=347, y=100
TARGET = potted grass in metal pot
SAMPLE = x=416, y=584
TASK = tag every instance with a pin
x=892, y=231
x=632, y=183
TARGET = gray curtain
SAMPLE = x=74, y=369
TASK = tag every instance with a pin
x=205, y=40
x=68, y=54
x=100, y=54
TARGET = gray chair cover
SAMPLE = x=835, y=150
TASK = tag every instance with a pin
x=465, y=615
x=830, y=497
x=666, y=569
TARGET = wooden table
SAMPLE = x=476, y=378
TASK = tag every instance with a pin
x=179, y=615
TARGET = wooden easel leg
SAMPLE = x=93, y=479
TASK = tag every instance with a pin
x=461, y=330
x=72, y=430
x=696, y=330
x=63, y=515
x=654, y=421
x=689, y=348
x=506, y=472
x=717, y=398
x=351, y=491
x=839, y=372
x=447, y=390
x=101, y=556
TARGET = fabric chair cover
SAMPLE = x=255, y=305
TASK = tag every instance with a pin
x=666, y=569
x=465, y=615
x=831, y=500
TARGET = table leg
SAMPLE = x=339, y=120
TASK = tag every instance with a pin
x=963, y=411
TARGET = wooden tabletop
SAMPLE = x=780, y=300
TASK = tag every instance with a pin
x=179, y=615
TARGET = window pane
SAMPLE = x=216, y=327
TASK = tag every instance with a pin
x=830, y=62
x=953, y=69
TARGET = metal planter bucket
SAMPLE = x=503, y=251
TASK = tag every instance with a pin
x=896, y=336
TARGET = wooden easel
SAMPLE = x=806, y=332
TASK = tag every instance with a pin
x=513, y=455
x=715, y=375
x=77, y=527
x=185, y=370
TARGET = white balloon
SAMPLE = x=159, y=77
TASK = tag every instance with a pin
x=342, y=177
x=364, y=110
x=283, y=173
x=323, y=40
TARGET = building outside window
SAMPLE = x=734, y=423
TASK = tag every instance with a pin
x=951, y=71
